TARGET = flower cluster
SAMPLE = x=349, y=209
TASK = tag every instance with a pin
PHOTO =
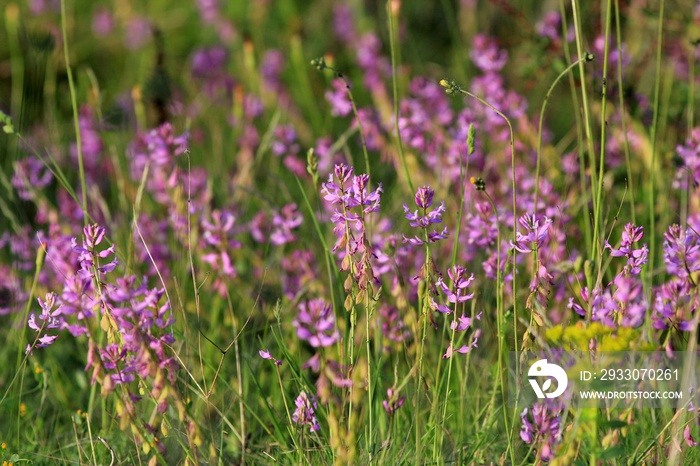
x=635, y=257
x=217, y=239
x=677, y=301
x=305, y=412
x=622, y=301
x=689, y=172
x=393, y=401
x=136, y=321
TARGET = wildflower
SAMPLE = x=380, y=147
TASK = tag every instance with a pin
x=689, y=172
x=456, y=294
x=542, y=426
x=305, y=412
x=392, y=325
x=635, y=257
x=355, y=200
x=393, y=401
x=681, y=252
x=266, y=355
x=217, y=239
x=315, y=323
x=675, y=306
x=550, y=25
x=535, y=236
x=50, y=318
x=424, y=218
x=339, y=99
x=486, y=55
x=689, y=440
x=30, y=175
x=283, y=222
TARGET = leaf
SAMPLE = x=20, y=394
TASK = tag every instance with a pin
x=613, y=424
x=547, y=384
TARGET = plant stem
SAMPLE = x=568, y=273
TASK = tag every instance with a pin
x=394, y=81
x=74, y=104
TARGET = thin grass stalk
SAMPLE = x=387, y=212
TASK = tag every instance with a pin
x=395, y=89
x=579, y=131
x=74, y=105
x=586, y=120
x=586, y=57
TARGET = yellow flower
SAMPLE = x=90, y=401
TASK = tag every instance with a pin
x=22, y=409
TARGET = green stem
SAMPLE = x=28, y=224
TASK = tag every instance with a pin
x=587, y=57
x=424, y=316
x=586, y=121
x=579, y=131
x=654, y=135
x=394, y=84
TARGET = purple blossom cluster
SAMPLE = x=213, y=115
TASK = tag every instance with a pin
x=218, y=243
x=424, y=217
x=136, y=322
x=676, y=301
x=305, y=412
x=315, y=323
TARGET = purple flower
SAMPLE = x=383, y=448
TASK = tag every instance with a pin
x=486, y=55
x=464, y=349
x=30, y=176
x=456, y=293
x=315, y=323
x=393, y=401
x=423, y=218
x=392, y=325
x=218, y=242
x=283, y=222
x=689, y=172
x=343, y=24
x=354, y=200
x=550, y=25
x=271, y=68
x=376, y=67
x=50, y=319
x=138, y=31
x=542, y=426
x=635, y=257
x=681, y=251
x=12, y=292
x=88, y=256
x=621, y=303
x=305, y=412
x=689, y=440
x=102, y=22
x=535, y=234
x=267, y=355
x=675, y=305
x=284, y=141
x=339, y=99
